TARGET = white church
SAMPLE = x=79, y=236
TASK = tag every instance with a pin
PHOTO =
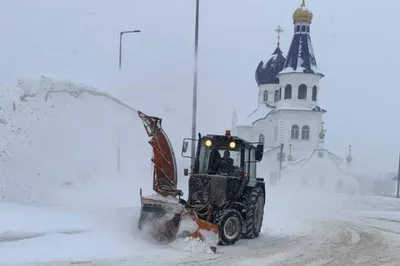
x=289, y=113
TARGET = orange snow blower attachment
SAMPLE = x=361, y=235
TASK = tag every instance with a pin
x=165, y=179
x=164, y=214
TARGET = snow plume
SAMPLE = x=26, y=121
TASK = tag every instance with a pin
x=70, y=144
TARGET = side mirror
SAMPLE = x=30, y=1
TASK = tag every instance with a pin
x=185, y=146
x=185, y=172
x=259, y=152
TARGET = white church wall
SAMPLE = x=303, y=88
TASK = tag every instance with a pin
x=271, y=88
x=287, y=118
x=265, y=127
x=244, y=132
x=295, y=80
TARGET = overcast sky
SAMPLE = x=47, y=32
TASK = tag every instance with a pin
x=354, y=41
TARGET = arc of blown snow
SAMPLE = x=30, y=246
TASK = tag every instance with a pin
x=92, y=92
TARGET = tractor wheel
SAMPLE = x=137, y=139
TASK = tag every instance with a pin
x=254, y=201
x=230, y=224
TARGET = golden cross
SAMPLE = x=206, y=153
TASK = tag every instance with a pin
x=303, y=3
x=279, y=30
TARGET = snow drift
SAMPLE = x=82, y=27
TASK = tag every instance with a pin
x=64, y=141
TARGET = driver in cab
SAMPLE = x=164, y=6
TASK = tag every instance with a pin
x=226, y=164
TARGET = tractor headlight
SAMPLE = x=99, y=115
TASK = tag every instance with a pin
x=232, y=144
x=208, y=143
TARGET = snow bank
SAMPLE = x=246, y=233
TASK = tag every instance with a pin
x=66, y=143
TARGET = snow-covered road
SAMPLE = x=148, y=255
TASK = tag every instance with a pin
x=300, y=228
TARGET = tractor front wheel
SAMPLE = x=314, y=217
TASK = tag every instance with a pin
x=230, y=223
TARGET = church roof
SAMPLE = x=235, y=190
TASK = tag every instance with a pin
x=300, y=57
x=264, y=110
x=260, y=113
x=266, y=72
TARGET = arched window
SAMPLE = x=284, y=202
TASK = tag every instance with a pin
x=295, y=132
x=303, y=28
x=314, y=93
x=288, y=91
x=305, y=132
x=308, y=28
x=261, y=138
x=276, y=96
x=302, y=95
x=265, y=96
x=298, y=28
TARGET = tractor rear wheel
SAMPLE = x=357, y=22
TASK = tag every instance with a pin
x=230, y=223
x=254, y=200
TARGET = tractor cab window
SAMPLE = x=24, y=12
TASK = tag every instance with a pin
x=250, y=162
x=219, y=161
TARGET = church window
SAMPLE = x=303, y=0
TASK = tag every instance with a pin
x=295, y=132
x=261, y=138
x=276, y=96
x=314, y=93
x=305, y=133
x=308, y=28
x=302, y=95
x=298, y=28
x=288, y=91
x=265, y=96
x=303, y=28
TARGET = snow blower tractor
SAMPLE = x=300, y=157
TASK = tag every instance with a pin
x=226, y=199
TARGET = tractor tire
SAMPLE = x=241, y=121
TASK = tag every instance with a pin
x=254, y=200
x=230, y=224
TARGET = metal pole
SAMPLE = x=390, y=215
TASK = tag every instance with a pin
x=119, y=153
x=280, y=164
x=398, y=180
x=120, y=49
x=120, y=44
x=196, y=46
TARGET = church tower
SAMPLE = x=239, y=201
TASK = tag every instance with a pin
x=300, y=76
x=298, y=110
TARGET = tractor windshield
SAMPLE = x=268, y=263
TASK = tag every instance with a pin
x=223, y=161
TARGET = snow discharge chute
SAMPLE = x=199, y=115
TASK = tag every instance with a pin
x=165, y=179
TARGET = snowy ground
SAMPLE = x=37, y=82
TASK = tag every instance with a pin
x=300, y=228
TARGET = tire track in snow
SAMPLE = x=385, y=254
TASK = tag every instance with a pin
x=347, y=243
x=332, y=243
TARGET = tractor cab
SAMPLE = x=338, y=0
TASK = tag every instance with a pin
x=225, y=155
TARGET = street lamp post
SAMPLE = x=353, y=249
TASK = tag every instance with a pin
x=120, y=43
x=398, y=181
x=194, y=109
x=120, y=65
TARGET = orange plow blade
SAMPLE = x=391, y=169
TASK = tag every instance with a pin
x=194, y=227
x=166, y=220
